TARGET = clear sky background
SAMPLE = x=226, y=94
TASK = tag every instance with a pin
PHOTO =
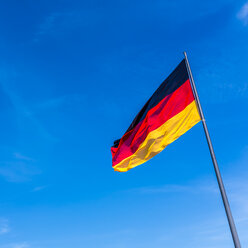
x=73, y=74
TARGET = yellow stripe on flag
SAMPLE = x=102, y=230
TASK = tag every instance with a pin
x=158, y=139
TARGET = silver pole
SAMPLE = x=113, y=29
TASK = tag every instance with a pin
x=216, y=167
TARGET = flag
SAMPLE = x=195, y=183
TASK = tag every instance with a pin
x=169, y=113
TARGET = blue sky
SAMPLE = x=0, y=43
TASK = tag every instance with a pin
x=73, y=74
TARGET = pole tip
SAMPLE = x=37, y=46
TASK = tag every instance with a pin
x=185, y=55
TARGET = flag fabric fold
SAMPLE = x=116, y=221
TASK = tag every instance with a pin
x=168, y=114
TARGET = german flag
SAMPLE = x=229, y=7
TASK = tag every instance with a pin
x=168, y=114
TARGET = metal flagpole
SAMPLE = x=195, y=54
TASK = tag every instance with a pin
x=216, y=168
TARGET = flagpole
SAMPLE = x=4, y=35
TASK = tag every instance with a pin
x=216, y=167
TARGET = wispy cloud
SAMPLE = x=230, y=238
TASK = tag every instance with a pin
x=48, y=25
x=21, y=245
x=39, y=188
x=192, y=188
x=22, y=157
x=21, y=110
x=221, y=88
x=18, y=168
x=17, y=171
x=170, y=188
x=56, y=102
x=243, y=14
x=59, y=22
x=4, y=226
x=16, y=245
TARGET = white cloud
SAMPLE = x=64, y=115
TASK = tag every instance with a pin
x=243, y=14
x=18, y=168
x=7, y=76
x=16, y=245
x=193, y=188
x=20, y=156
x=58, y=23
x=4, y=226
x=39, y=188
x=21, y=245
